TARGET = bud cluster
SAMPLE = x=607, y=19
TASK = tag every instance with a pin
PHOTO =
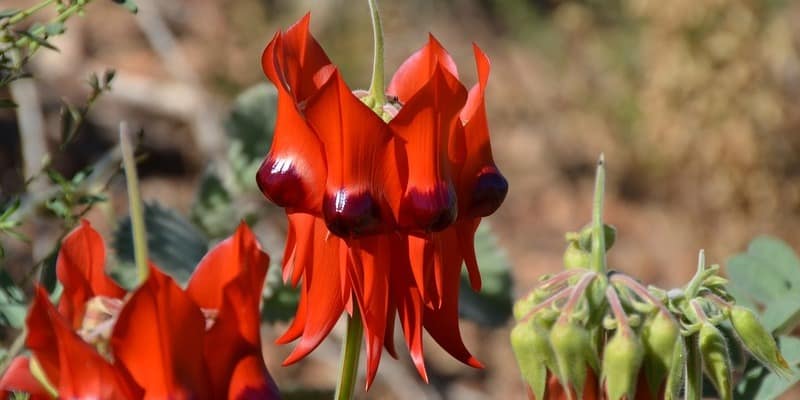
x=589, y=333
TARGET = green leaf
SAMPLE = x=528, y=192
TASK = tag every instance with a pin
x=758, y=383
x=7, y=103
x=55, y=28
x=174, y=244
x=492, y=306
x=768, y=275
x=38, y=40
x=280, y=300
x=252, y=120
x=7, y=13
x=12, y=303
x=212, y=209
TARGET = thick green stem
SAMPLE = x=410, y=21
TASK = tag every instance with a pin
x=694, y=370
x=348, y=369
x=597, y=261
x=699, y=276
x=28, y=12
x=376, y=87
x=134, y=203
x=62, y=17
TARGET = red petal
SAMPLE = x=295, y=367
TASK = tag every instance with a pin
x=293, y=173
x=356, y=142
x=321, y=284
x=159, y=336
x=409, y=305
x=424, y=126
x=238, y=255
x=72, y=365
x=302, y=58
x=418, y=69
x=80, y=267
x=481, y=186
x=18, y=378
x=251, y=381
x=442, y=322
x=465, y=241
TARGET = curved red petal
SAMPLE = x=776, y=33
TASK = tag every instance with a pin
x=322, y=286
x=18, y=378
x=293, y=173
x=424, y=126
x=251, y=381
x=481, y=186
x=418, y=69
x=442, y=322
x=72, y=365
x=159, y=337
x=80, y=267
x=238, y=255
x=356, y=142
x=465, y=241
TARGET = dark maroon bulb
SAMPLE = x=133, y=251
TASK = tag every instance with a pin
x=351, y=214
x=279, y=181
x=490, y=190
x=431, y=210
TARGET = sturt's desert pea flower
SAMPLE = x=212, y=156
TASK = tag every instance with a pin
x=383, y=196
x=158, y=341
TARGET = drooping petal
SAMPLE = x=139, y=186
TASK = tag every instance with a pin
x=80, y=267
x=423, y=127
x=481, y=187
x=158, y=337
x=415, y=71
x=355, y=142
x=293, y=173
x=18, y=378
x=251, y=381
x=73, y=366
x=465, y=241
x=302, y=58
x=321, y=285
x=442, y=322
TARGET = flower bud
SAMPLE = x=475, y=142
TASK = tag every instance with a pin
x=659, y=337
x=575, y=257
x=716, y=359
x=622, y=359
x=572, y=348
x=757, y=340
x=531, y=346
x=672, y=389
x=585, y=238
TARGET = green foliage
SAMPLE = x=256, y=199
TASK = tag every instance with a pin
x=12, y=303
x=174, y=244
x=8, y=223
x=491, y=306
x=767, y=278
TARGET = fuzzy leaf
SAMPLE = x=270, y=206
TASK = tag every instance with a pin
x=759, y=383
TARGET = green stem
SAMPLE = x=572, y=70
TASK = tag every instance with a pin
x=348, y=369
x=699, y=276
x=376, y=87
x=694, y=370
x=28, y=12
x=71, y=10
x=598, y=258
x=134, y=203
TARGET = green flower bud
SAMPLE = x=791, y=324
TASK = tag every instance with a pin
x=660, y=335
x=531, y=346
x=575, y=257
x=676, y=370
x=622, y=359
x=585, y=238
x=572, y=348
x=757, y=340
x=716, y=360
x=525, y=304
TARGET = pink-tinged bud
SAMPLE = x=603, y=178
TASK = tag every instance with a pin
x=531, y=346
x=575, y=257
x=660, y=336
x=573, y=350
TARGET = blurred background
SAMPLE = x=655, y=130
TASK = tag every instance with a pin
x=695, y=103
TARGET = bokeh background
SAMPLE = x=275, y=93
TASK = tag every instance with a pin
x=695, y=103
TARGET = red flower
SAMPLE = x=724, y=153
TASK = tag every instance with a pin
x=381, y=214
x=163, y=342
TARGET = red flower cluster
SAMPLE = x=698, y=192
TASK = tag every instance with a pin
x=159, y=341
x=383, y=202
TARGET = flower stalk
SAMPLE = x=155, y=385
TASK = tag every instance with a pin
x=376, y=86
x=348, y=369
x=134, y=203
x=598, y=256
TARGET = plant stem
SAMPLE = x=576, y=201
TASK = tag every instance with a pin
x=699, y=276
x=14, y=350
x=28, y=12
x=694, y=370
x=134, y=203
x=348, y=369
x=376, y=87
x=597, y=261
x=62, y=17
